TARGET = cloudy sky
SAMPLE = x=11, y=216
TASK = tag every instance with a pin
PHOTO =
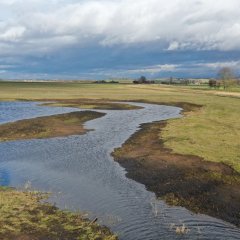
x=86, y=39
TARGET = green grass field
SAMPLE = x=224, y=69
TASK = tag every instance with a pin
x=212, y=133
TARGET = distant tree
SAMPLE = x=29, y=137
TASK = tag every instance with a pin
x=142, y=79
x=226, y=76
x=214, y=83
x=211, y=83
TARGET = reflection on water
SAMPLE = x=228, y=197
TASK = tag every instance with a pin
x=4, y=177
x=83, y=175
x=13, y=111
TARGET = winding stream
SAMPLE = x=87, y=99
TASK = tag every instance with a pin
x=83, y=175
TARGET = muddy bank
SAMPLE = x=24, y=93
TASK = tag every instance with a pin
x=47, y=127
x=91, y=104
x=186, y=106
x=24, y=216
x=181, y=180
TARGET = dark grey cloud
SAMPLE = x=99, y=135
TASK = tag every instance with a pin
x=72, y=38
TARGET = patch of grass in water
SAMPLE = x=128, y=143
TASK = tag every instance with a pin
x=46, y=127
x=24, y=215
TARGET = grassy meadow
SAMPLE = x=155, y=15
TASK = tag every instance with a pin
x=213, y=132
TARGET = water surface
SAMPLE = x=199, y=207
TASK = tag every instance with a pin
x=83, y=176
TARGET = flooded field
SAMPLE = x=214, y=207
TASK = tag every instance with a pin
x=82, y=175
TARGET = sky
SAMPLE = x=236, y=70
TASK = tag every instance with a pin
x=99, y=39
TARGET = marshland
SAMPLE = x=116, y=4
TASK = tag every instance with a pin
x=145, y=160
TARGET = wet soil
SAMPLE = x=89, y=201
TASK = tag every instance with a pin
x=47, y=127
x=181, y=180
x=187, y=107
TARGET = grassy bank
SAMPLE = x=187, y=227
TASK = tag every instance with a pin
x=24, y=216
x=183, y=180
x=46, y=127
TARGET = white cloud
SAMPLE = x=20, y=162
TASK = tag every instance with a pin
x=213, y=67
x=173, y=46
x=155, y=69
x=12, y=34
x=218, y=65
x=46, y=25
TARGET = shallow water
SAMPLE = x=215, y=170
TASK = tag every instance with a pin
x=83, y=175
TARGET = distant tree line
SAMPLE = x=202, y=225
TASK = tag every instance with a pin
x=143, y=80
x=225, y=79
x=213, y=83
x=104, y=81
x=183, y=81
